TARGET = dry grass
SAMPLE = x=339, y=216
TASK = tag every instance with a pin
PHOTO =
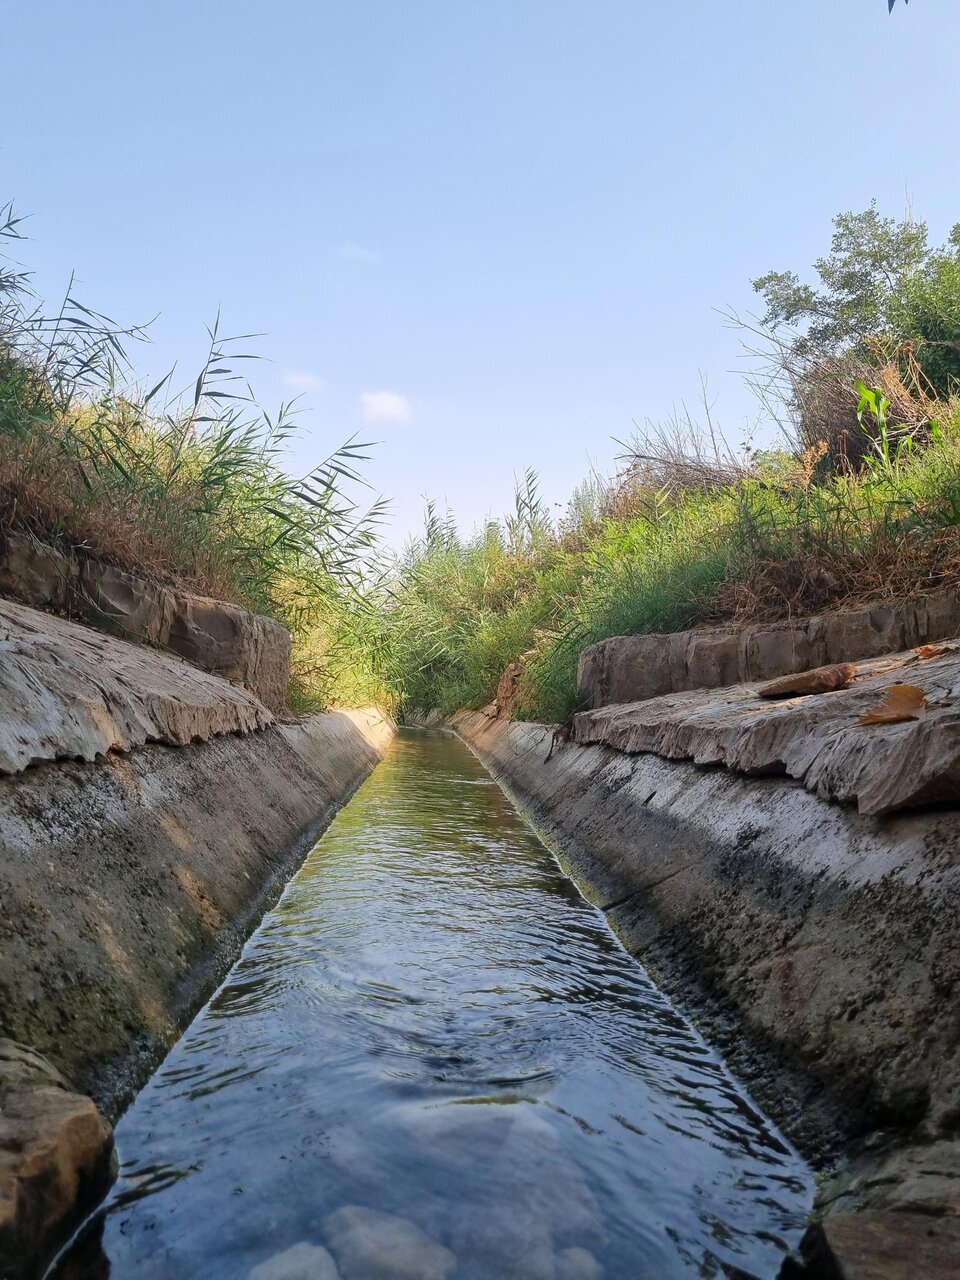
x=42, y=491
x=768, y=590
x=827, y=399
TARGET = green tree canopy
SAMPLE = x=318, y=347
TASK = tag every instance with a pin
x=880, y=286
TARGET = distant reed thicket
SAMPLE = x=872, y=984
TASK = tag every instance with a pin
x=860, y=500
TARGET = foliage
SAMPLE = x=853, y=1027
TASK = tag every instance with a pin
x=883, y=295
x=928, y=314
x=861, y=280
x=189, y=488
x=767, y=540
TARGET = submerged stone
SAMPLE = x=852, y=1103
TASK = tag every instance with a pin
x=303, y=1261
x=578, y=1264
x=369, y=1244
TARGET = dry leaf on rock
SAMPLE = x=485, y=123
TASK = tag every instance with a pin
x=926, y=651
x=901, y=702
x=820, y=680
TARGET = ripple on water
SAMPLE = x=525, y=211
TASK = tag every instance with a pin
x=434, y=1058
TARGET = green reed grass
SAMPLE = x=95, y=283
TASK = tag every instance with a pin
x=188, y=487
x=770, y=543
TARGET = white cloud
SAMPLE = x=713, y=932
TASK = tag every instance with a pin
x=301, y=381
x=357, y=253
x=385, y=406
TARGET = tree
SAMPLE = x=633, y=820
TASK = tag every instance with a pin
x=865, y=273
x=927, y=314
x=883, y=304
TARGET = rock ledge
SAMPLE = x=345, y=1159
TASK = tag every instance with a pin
x=56, y=1160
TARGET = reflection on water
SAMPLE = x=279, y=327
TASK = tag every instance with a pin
x=434, y=1060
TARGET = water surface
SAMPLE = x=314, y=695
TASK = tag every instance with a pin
x=434, y=1059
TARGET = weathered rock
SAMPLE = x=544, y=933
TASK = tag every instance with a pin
x=68, y=692
x=123, y=603
x=55, y=1159
x=219, y=637
x=38, y=574
x=303, y=1261
x=815, y=739
x=369, y=1244
x=895, y=1246
x=819, y=680
x=634, y=668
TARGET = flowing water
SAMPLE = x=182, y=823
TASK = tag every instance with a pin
x=434, y=1059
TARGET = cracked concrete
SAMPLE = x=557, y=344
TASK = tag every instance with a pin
x=815, y=739
x=70, y=693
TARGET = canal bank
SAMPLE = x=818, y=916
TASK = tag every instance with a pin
x=150, y=811
x=815, y=947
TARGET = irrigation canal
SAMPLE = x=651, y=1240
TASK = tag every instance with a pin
x=434, y=1060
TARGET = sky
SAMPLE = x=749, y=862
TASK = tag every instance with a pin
x=487, y=234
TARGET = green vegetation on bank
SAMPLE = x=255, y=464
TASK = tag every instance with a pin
x=188, y=488
x=862, y=501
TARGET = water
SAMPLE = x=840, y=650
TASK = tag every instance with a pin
x=434, y=1025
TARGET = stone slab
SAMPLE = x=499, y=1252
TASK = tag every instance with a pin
x=633, y=668
x=70, y=692
x=814, y=739
x=217, y=636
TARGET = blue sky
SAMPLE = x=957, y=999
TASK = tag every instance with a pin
x=487, y=233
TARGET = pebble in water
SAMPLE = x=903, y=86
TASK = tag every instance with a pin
x=301, y=1261
x=578, y=1264
x=371, y=1245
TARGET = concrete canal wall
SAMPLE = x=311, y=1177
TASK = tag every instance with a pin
x=149, y=813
